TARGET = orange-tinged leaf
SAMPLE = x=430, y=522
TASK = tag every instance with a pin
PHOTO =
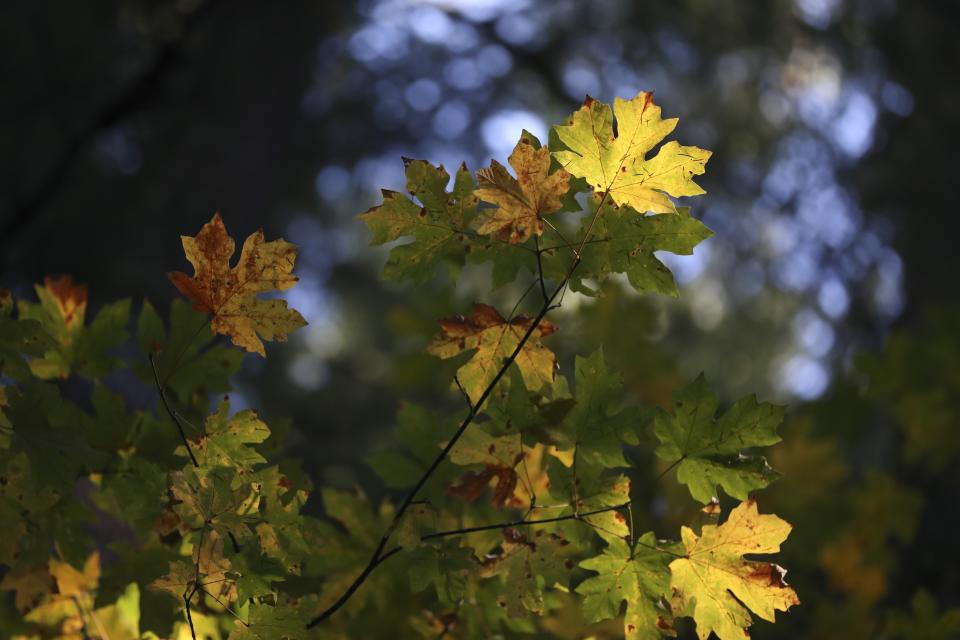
x=522, y=201
x=495, y=339
x=499, y=455
x=719, y=585
x=230, y=293
x=70, y=299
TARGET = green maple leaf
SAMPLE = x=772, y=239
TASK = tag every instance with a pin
x=254, y=571
x=587, y=488
x=707, y=451
x=226, y=439
x=623, y=241
x=77, y=346
x=439, y=223
x=444, y=565
x=353, y=512
x=616, y=163
x=529, y=562
x=21, y=493
x=19, y=337
x=640, y=577
x=217, y=497
x=186, y=360
x=133, y=493
x=287, y=621
x=46, y=427
x=596, y=426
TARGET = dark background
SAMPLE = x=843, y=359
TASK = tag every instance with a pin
x=831, y=189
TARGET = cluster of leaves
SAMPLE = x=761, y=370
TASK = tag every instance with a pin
x=124, y=522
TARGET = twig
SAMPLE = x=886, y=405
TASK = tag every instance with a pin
x=189, y=593
x=173, y=414
x=543, y=286
x=376, y=558
x=521, y=523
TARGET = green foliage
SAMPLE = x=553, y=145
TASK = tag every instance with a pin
x=509, y=502
x=708, y=451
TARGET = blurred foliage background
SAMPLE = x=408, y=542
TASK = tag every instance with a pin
x=830, y=284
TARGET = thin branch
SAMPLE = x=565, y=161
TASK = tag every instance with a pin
x=543, y=286
x=521, y=523
x=189, y=593
x=173, y=414
x=376, y=558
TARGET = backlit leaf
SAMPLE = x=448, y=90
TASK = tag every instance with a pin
x=707, y=451
x=617, y=163
x=639, y=576
x=522, y=201
x=719, y=586
x=438, y=222
x=495, y=339
x=230, y=293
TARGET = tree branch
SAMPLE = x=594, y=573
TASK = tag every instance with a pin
x=173, y=414
x=376, y=558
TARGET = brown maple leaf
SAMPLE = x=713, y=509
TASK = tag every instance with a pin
x=230, y=293
x=494, y=339
x=522, y=201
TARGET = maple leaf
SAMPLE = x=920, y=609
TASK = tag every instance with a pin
x=529, y=563
x=71, y=582
x=639, y=577
x=286, y=621
x=499, y=455
x=616, y=163
x=596, y=426
x=707, y=452
x=230, y=294
x=216, y=497
x=439, y=222
x=185, y=350
x=67, y=299
x=522, y=201
x=226, y=438
x=74, y=345
x=624, y=241
x=31, y=586
x=718, y=586
x=494, y=340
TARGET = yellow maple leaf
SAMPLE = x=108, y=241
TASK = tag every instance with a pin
x=230, y=294
x=720, y=587
x=494, y=339
x=522, y=201
x=74, y=583
x=617, y=164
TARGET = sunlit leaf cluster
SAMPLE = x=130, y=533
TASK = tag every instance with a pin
x=170, y=519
